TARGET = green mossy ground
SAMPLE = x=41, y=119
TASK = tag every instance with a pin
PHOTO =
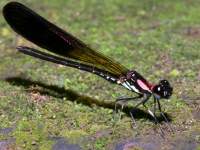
x=159, y=39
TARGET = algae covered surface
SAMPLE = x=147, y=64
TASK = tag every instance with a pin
x=48, y=106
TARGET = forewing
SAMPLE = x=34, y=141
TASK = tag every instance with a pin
x=48, y=36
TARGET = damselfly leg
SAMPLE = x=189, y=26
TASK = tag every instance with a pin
x=122, y=101
x=163, y=115
x=155, y=119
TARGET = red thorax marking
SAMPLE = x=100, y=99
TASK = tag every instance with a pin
x=145, y=86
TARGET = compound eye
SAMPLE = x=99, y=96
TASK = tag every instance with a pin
x=164, y=82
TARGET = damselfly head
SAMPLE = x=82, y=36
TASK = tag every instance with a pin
x=163, y=89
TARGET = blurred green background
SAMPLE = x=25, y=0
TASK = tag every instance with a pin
x=158, y=38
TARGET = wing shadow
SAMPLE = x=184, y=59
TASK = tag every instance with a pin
x=60, y=92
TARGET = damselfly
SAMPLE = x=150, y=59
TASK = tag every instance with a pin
x=77, y=54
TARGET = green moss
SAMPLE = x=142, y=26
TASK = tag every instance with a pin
x=100, y=144
x=31, y=133
x=73, y=135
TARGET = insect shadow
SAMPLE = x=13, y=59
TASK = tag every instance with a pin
x=61, y=92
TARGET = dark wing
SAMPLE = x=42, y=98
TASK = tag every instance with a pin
x=48, y=36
